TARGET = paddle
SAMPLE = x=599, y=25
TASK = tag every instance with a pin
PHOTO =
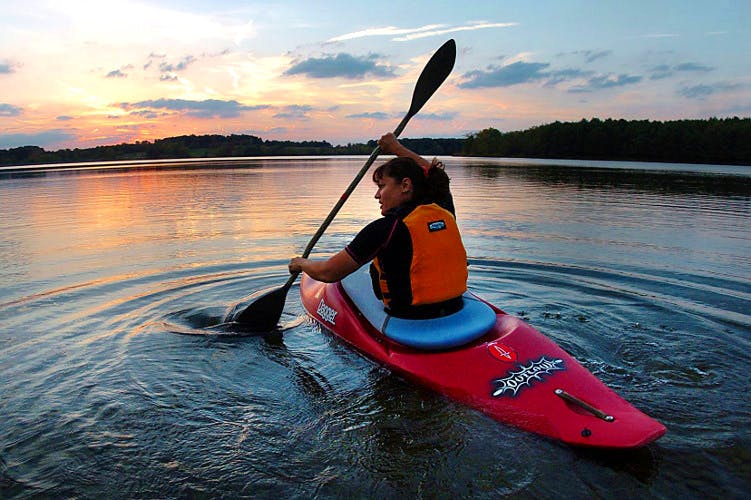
x=263, y=313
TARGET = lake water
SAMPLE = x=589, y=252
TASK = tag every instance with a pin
x=641, y=271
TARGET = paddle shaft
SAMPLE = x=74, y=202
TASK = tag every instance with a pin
x=264, y=312
x=343, y=199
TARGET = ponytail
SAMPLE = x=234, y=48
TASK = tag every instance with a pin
x=438, y=186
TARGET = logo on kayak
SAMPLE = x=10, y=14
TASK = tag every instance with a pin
x=535, y=370
x=502, y=352
x=326, y=313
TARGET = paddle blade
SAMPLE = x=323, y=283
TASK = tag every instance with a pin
x=433, y=75
x=263, y=313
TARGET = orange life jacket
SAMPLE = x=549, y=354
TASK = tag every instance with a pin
x=438, y=268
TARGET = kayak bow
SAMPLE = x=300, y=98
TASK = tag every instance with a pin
x=505, y=368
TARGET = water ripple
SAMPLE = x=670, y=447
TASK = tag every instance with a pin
x=116, y=368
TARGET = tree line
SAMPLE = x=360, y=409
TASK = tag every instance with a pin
x=212, y=146
x=726, y=141
x=722, y=141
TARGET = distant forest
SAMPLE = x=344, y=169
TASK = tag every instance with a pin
x=723, y=141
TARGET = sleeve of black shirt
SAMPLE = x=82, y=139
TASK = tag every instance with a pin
x=365, y=246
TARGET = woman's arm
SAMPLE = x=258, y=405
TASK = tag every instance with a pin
x=390, y=145
x=328, y=271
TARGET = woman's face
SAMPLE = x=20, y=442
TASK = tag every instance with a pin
x=392, y=193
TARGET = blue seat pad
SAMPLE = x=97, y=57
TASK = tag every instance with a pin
x=462, y=327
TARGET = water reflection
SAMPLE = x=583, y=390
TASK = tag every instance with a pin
x=643, y=276
x=694, y=183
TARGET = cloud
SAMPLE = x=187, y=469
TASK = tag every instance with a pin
x=519, y=73
x=690, y=66
x=609, y=81
x=703, y=91
x=446, y=31
x=697, y=91
x=525, y=72
x=341, y=66
x=437, y=117
x=168, y=69
x=662, y=71
x=209, y=108
x=41, y=139
x=6, y=68
x=377, y=115
x=294, y=112
x=505, y=76
x=180, y=66
x=9, y=109
x=64, y=118
x=147, y=114
x=563, y=75
x=591, y=55
x=116, y=74
x=386, y=31
x=406, y=34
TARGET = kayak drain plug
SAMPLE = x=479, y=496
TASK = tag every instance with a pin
x=586, y=406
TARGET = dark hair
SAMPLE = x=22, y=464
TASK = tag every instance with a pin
x=433, y=188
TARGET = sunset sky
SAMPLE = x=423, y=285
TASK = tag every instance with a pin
x=81, y=73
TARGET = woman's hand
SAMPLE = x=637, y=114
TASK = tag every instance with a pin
x=390, y=145
x=295, y=265
x=328, y=271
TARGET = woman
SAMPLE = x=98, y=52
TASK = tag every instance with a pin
x=419, y=265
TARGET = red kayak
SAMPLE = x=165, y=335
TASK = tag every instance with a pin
x=487, y=359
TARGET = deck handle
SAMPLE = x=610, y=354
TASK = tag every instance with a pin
x=583, y=404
